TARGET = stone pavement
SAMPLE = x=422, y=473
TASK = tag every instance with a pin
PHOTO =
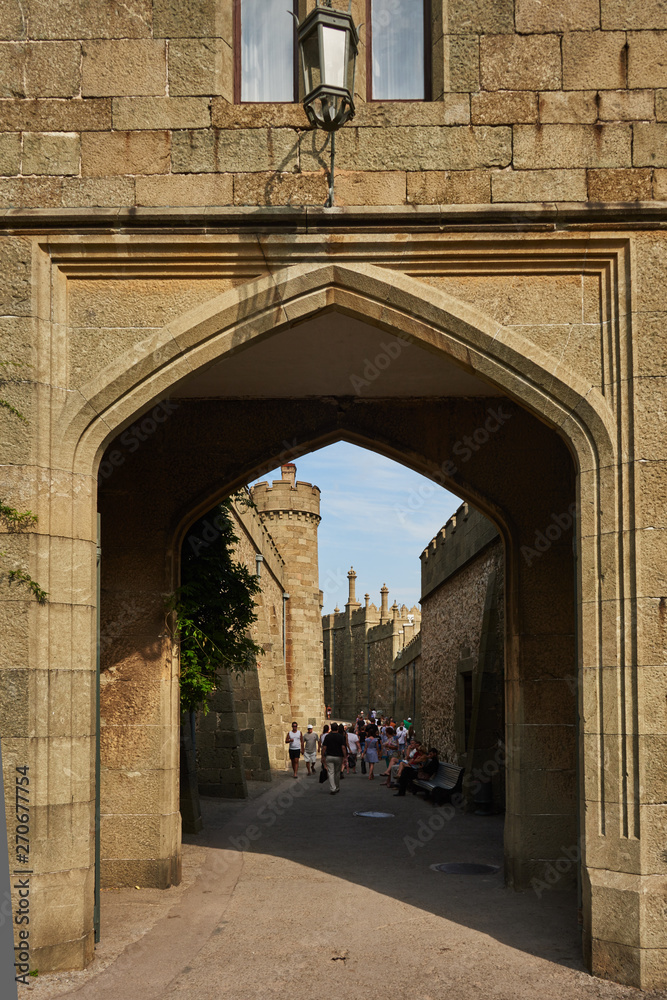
x=295, y=894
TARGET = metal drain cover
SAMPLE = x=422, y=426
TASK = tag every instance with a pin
x=465, y=868
x=374, y=815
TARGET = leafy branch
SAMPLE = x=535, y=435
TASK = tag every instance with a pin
x=19, y=576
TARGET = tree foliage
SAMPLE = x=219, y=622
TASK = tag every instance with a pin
x=213, y=608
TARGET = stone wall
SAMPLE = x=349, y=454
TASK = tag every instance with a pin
x=132, y=104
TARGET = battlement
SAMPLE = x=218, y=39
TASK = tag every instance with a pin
x=287, y=494
x=463, y=537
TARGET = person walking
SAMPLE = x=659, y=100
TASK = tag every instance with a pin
x=310, y=741
x=295, y=740
x=352, y=750
x=371, y=751
x=334, y=752
x=401, y=739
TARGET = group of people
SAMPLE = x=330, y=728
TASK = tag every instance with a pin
x=368, y=741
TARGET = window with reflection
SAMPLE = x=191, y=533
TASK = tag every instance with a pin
x=265, y=51
x=400, y=48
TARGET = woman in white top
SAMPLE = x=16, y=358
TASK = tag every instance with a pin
x=295, y=740
x=352, y=750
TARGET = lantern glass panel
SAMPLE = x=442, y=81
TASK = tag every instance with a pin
x=333, y=50
x=311, y=61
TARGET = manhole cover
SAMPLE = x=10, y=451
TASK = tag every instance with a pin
x=465, y=868
x=374, y=815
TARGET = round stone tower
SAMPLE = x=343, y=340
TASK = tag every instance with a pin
x=290, y=511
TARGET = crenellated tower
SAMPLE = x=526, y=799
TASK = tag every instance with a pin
x=290, y=511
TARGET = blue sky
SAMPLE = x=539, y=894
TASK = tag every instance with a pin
x=377, y=516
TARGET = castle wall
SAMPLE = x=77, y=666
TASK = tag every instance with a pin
x=407, y=676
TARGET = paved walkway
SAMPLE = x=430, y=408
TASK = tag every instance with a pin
x=297, y=896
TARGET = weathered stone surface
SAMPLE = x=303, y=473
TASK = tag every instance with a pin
x=626, y=105
x=61, y=116
x=239, y=150
x=200, y=66
x=15, y=289
x=192, y=19
x=271, y=188
x=370, y=188
x=31, y=192
x=51, y=153
x=575, y=107
x=538, y=185
x=577, y=15
x=81, y=19
x=661, y=105
x=452, y=109
x=40, y=69
x=461, y=148
x=649, y=148
x=160, y=112
x=621, y=14
x=106, y=153
x=480, y=17
x=461, y=63
x=185, y=189
x=131, y=67
x=226, y=115
x=660, y=185
x=103, y=192
x=620, y=185
x=449, y=187
x=505, y=107
x=10, y=153
x=553, y=146
x=594, y=60
x=13, y=20
x=647, y=59
x=520, y=62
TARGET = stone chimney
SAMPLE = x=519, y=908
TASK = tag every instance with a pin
x=351, y=579
x=367, y=598
x=288, y=473
x=394, y=611
x=384, y=603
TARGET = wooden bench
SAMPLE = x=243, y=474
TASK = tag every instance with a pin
x=447, y=781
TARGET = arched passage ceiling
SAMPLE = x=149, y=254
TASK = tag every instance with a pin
x=333, y=354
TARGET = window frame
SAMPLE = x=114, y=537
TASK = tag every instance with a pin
x=236, y=42
x=428, y=59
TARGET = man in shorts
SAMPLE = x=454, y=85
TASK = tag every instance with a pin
x=295, y=740
x=310, y=749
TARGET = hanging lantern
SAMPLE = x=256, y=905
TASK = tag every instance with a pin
x=328, y=45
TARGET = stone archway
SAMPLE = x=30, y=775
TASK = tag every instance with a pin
x=559, y=416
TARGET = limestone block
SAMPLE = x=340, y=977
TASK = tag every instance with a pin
x=15, y=266
x=505, y=107
x=660, y=185
x=626, y=105
x=650, y=144
x=185, y=189
x=14, y=689
x=537, y=16
x=553, y=146
x=10, y=153
x=81, y=19
x=593, y=60
x=452, y=109
x=461, y=63
x=480, y=17
x=619, y=185
x=226, y=115
x=371, y=188
x=661, y=105
x=238, y=150
x=102, y=192
x=568, y=107
x=449, y=187
x=40, y=69
x=31, y=192
x=520, y=62
x=200, y=66
x=106, y=153
x=647, y=59
x=54, y=153
x=538, y=185
x=270, y=188
x=192, y=19
x=131, y=67
x=13, y=19
x=622, y=14
x=456, y=148
x=160, y=112
x=61, y=116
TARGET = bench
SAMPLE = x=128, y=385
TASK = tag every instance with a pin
x=447, y=781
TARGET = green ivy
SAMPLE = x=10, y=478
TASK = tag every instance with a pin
x=214, y=607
